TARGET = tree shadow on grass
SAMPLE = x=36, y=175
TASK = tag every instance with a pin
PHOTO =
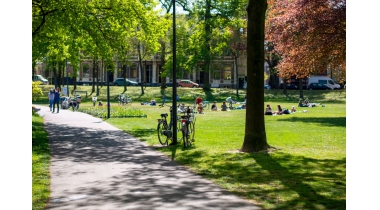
x=305, y=183
x=326, y=121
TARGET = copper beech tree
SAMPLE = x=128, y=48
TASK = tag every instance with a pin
x=310, y=35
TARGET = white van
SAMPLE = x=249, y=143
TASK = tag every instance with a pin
x=323, y=80
x=40, y=78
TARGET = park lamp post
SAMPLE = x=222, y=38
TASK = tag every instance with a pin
x=174, y=97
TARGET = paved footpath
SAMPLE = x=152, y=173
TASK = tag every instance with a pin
x=94, y=165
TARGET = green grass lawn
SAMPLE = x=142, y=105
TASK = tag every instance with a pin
x=306, y=170
x=40, y=164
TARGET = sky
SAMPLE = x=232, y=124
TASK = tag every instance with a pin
x=362, y=87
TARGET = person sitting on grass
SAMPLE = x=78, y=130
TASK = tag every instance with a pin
x=293, y=110
x=200, y=108
x=301, y=104
x=152, y=102
x=268, y=110
x=308, y=104
x=279, y=110
x=214, y=107
x=224, y=106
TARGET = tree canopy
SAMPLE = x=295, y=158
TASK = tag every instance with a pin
x=62, y=29
x=309, y=35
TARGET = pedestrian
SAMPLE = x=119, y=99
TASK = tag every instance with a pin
x=51, y=98
x=56, y=99
x=177, y=98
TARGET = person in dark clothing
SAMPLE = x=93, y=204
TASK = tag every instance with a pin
x=56, y=99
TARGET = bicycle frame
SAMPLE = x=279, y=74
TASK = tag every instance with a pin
x=165, y=130
x=188, y=127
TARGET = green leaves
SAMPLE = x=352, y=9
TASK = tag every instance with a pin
x=102, y=28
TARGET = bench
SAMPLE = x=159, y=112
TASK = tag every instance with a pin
x=80, y=91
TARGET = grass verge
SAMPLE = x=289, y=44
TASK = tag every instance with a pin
x=40, y=164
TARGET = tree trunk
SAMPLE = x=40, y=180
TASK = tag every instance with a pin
x=284, y=86
x=236, y=76
x=255, y=139
x=207, y=60
x=162, y=57
x=300, y=86
x=125, y=74
x=141, y=71
x=97, y=78
x=93, y=74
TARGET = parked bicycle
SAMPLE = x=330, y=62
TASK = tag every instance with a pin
x=165, y=129
x=74, y=102
x=124, y=100
x=206, y=105
x=230, y=102
x=188, y=127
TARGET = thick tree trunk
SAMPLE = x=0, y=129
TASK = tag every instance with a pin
x=255, y=139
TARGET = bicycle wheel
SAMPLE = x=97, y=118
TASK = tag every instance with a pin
x=207, y=105
x=161, y=132
x=185, y=136
x=191, y=131
x=129, y=101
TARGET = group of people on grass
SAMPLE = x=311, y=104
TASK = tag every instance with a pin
x=280, y=110
x=306, y=103
x=214, y=106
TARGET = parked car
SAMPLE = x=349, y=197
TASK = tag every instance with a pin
x=40, y=78
x=327, y=81
x=187, y=83
x=120, y=82
x=289, y=86
x=317, y=86
x=265, y=86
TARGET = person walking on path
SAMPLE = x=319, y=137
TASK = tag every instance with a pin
x=51, y=98
x=57, y=96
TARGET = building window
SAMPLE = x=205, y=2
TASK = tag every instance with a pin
x=133, y=70
x=216, y=72
x=227, y=72
x=86, y=70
